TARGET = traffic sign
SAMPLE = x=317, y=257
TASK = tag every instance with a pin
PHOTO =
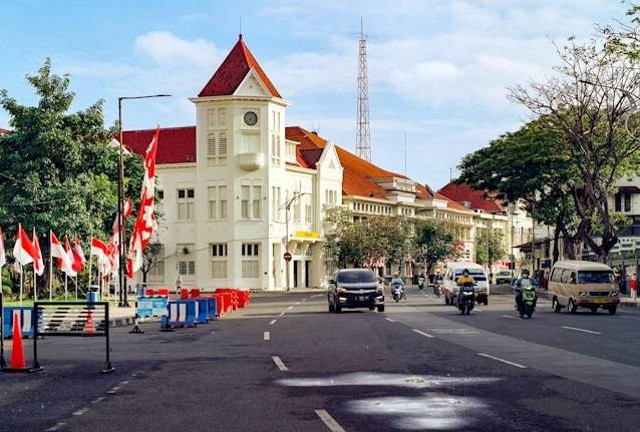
x=287, y=256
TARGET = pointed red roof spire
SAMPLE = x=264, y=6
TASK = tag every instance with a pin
x=233, y=70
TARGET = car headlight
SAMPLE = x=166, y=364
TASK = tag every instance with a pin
x=583, y=293
x=614, y=294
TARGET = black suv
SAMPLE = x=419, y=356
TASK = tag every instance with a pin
x=355, y=288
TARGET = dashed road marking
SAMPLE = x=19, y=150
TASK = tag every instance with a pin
x=509, y=316
x=267, y=336
x=281, y=314
x=290, y=307
x=502, y=360
x=273, y=322
x=329, y=421
x=422, y=333
x=97, y=400
x=80, y=412
x=279, y=363
x=581, y=330
x=390, y=320
x=297, y=303
x=124, y=383
x=56, y=427
x=304, y=299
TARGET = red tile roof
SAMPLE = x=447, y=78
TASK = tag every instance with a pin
x=175, y=145
x=4, y=131
x=233, y=70
x=477, y=199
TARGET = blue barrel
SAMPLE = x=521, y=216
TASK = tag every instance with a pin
x=27, y=320
x=212, y=309
x=203, y=310
x=93, y=297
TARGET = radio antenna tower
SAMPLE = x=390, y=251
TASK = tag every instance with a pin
x=363, y=145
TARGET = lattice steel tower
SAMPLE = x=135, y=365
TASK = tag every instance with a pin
x=363, y=145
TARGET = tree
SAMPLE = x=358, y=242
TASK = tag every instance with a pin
x=364, y=242
x=490, y=247
x=529, y=167
x=434, y=242
x=57, y=171
x=151, y=257
x=586, y=100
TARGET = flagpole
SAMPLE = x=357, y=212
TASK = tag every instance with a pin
x=21, y=284
x=35, y=283
x=91, y=259
x=50, y=278
x=65, y=285
x=76, y=287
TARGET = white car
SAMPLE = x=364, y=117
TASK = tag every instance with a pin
x=454, y=271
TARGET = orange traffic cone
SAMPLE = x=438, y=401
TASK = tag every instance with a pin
x=89, y=327
x=17, y=352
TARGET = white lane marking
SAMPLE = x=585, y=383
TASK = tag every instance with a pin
x=304, y=299
x=278, y=361
x=422, y=333
x=273, y=322
x=581, y=330
x=317, y=295
x=80, y=412
x=267, y=336
x=281, y=314
x=329, y=421
x=98, y=400
x=290, y=307
x=297, y=303
x=629, y=317
x=56, y=427
x=389, y=319
x=124, y=383
x=502, y=360
x=509, y=316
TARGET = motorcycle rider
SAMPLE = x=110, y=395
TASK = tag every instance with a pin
x=466, y=278
x=524, y=276
x=397, y=280
x=421, y=281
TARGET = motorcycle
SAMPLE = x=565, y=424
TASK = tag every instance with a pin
x=527, y=304
x=466, y=298
x=437, y=286
x=397, y=291
x=420, y=283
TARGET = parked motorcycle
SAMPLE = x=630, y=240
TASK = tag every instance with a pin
x=397, y=291
x=466, y=298
x=527, y=304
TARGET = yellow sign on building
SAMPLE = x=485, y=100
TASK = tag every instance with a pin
x=307, y=234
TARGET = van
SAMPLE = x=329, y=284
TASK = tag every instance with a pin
x=454, y=271
x=583, y=284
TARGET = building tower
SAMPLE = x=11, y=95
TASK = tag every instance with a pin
x=363, y=145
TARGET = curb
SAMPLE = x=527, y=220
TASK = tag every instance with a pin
x=121, y=322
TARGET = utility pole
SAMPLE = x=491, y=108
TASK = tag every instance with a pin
x=363, y=145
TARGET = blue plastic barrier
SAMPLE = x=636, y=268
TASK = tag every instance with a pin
x=151, y=306
x=182, y=313
x=27, y=320
x=203, y=310
x=212, y=308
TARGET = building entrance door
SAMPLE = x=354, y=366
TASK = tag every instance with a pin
x=307, y=272
x=295, y=273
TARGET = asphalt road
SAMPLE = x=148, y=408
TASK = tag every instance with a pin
x=286, y=364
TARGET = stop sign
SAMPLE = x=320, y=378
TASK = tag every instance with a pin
x=287, y=256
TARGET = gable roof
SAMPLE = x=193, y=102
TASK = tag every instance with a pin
x=476, y=198
x=4, y=131
x=175, y=145
x=233, y=70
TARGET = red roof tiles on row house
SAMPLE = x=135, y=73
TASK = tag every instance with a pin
x=476, y=199
x=233, y=70
x=175, y=145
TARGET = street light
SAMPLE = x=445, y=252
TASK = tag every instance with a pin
x=124, y=301
x=287, y=206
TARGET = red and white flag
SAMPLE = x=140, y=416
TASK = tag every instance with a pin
x=78, y=257
x=3, y=258
x=98, y=248
x=38, y=262
x=23, y=251
x=69, y=270
x=57, y=251
x=145, y=221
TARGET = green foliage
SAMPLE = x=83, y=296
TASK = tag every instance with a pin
x=367, y=240
x=490, y=247
x=434, y=241
x=57, y=171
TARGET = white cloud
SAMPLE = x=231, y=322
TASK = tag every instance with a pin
x=166, y=49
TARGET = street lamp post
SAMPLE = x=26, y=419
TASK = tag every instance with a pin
x=123, y=300
x=286, y=245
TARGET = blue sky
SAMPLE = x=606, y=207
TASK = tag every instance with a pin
x=438, y=69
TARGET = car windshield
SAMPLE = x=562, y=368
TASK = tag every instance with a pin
x=598, y=277
x=356, y=277
x=504, y=273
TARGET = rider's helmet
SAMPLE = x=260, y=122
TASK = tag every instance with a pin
x=396, y=274
x=525, y=273
x=465, y=272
